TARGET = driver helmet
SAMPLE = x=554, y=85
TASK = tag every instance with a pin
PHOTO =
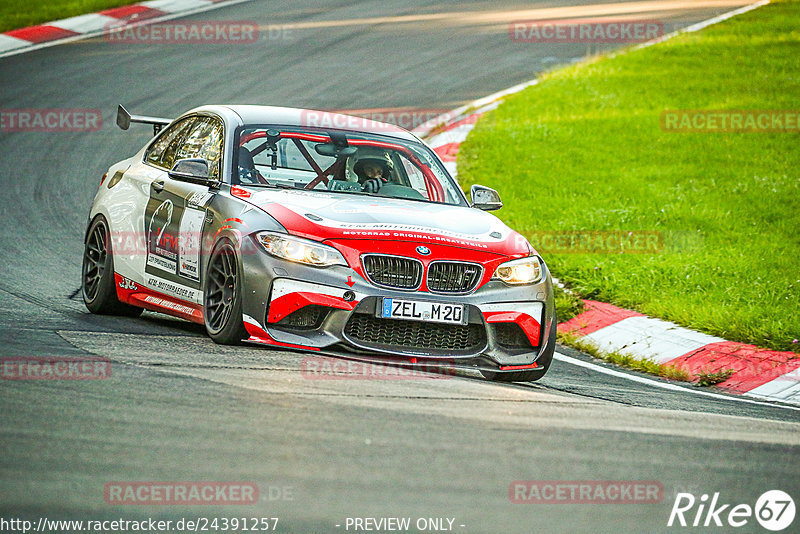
x=373, y=165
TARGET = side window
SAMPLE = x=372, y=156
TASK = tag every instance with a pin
x=203, y=141
x=162, y=152
x=290, y=155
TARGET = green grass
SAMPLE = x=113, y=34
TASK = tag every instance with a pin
x=568, y=304
x=16, y=14
x=631, y=362
x=711, y=379
x=584, y=150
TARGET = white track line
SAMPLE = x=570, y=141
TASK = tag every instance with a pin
x=457, y=114
x=663, y=385
x=703, y=24
x=425, y=129
x=171, y=16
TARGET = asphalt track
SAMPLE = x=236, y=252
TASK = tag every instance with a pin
x=179, y=408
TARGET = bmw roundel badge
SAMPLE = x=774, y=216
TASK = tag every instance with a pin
x=423, y=250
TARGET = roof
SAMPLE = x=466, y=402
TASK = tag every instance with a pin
x=250, y=114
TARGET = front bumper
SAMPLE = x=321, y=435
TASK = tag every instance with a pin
x=333, y=310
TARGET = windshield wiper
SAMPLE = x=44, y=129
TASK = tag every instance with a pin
x=273, y=186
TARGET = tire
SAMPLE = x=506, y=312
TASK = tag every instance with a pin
x=98, y=286
x=528, y=376
x=222, y=297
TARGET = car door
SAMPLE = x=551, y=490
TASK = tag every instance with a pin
x=176, y=212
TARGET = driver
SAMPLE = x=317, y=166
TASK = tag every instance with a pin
x=373, y=172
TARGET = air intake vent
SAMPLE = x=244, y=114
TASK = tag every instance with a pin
x=453, y=277
x=393, y=271
x=402, y=335
x=511, y=336
x=306, y=318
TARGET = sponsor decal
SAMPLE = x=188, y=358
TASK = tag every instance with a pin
x=168, y=304
x=189, y=245
x=160, y=262
x=176, y=290
x=427, y=237
x=128, y=284
x=160, y=251
x=174, y=222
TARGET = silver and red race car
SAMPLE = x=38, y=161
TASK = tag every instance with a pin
x=315, y=231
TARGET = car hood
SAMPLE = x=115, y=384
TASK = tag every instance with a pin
x=329, y=216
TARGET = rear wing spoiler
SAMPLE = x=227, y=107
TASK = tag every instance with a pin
x=124, y=120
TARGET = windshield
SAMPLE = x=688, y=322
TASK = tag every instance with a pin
x=343, y=162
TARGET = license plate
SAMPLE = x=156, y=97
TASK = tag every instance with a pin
x=417, y=310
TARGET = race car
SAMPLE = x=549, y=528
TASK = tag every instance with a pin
x=314, y=231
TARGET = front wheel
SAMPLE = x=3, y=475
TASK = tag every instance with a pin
x=222, y=298
x=97, y=274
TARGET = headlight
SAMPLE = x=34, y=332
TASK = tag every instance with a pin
x=522, y=271
x=300, y=250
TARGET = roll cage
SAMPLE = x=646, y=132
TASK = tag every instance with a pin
x=433, y=187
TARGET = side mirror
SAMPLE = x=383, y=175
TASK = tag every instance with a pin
x=191, y=170
x=485, y=198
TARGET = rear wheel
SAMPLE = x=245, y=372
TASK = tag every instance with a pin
x=222, y=298
x=529, y=376
x=97, y=280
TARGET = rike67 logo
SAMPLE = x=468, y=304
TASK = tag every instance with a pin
x=774, y=510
